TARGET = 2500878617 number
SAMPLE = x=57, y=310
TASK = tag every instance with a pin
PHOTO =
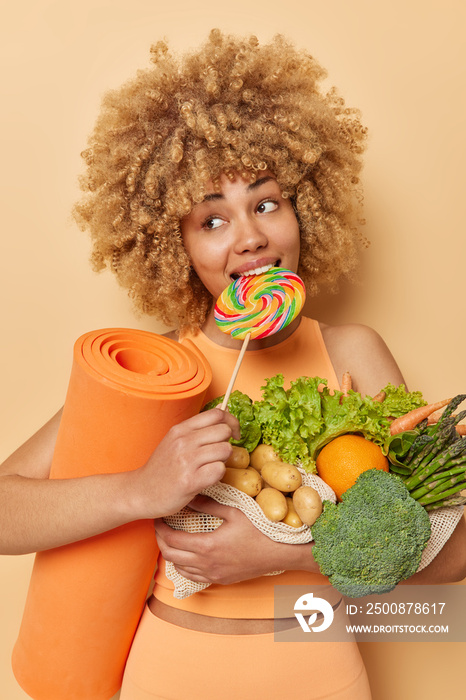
x=395, y=608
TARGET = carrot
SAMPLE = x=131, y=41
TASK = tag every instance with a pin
x=411, y=419
x=434, y=417
x=346, y=383
x=379, y=397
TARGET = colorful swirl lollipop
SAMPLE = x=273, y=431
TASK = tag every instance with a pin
x=260, y=305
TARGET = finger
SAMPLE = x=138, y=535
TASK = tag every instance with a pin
x=178, y=556
x=180, y=540
x=209, y=474
x=168, y=538
x=212, y=417
x=192, y=576
x=215, y=433
x=162, y=530
x=187, y=570
x=233, y=422
x=205, y=504
x=216, y=416
x=210, y=454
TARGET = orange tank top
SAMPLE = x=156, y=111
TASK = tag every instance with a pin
x=302, y=353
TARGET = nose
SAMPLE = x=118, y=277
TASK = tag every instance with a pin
x=249, y=236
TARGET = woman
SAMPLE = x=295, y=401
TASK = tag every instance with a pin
x=226, y=162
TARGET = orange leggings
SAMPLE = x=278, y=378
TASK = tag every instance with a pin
x=168, y=662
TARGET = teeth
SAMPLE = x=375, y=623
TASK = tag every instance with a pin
x=257, y=271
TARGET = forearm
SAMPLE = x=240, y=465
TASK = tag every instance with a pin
x=299, y=557
x=449, y=565
x=38, y=514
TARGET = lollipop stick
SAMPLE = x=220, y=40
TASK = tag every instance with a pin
x=235, y=371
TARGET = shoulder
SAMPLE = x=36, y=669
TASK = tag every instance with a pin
x=361, y=351
x=352, y=335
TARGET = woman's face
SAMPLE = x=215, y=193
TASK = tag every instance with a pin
x=245, y=228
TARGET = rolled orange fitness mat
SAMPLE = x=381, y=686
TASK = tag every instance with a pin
x=126, y=389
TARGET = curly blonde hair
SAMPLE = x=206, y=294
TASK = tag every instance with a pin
x=233, y=106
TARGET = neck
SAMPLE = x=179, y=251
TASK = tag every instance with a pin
x=213, y=332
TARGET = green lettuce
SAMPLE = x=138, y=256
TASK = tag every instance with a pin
x=288, y=419
x=299, y=421
x=398, y=401
x=240, y=405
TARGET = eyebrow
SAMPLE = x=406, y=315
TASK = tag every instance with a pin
x=252, y=186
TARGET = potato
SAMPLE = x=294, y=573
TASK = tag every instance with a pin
x=273, y=504
x=246, y=480
x=239, y=458
x=292, y=518
x=281, y=476
x=261, y=455
x=308, y=504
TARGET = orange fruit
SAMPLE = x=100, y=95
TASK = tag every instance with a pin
x=343, y=459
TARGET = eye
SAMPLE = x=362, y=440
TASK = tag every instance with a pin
x=267, y=206
x=212, y=222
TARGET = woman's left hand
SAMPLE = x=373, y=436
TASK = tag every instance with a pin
x=234, y=552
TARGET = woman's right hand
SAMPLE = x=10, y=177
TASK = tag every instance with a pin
x=39, y=513
x=189, y=458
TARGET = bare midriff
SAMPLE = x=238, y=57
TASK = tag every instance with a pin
x=215, y=625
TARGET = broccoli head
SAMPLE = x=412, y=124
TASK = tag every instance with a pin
x=374, y=538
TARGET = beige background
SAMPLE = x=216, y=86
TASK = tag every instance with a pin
x=402, y=62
